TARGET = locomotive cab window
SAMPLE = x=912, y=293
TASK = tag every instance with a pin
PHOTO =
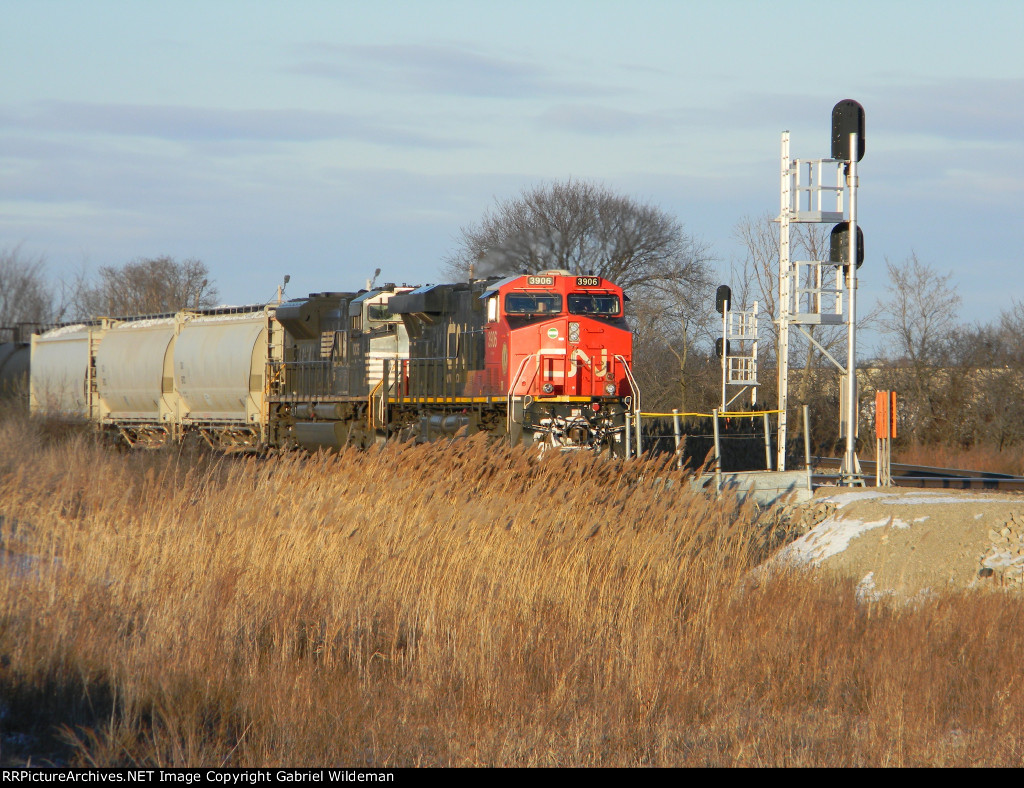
x=379, y=313
x=594, y=304
x=533, y=304
x=492, y=309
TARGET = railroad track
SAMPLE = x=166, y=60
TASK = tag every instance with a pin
x=826, y=469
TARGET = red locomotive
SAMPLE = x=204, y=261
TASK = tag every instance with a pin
x=544, y=357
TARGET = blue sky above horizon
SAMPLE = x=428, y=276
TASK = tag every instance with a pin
x=326, y=139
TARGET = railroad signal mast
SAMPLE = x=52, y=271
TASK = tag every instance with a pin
x=739, y=360
x=823, y=292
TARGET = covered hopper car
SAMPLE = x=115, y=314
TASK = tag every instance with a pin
x=14, y=359
x=534, y=358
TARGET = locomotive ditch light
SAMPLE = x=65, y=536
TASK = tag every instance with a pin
x=548, y=388
x=609, y=389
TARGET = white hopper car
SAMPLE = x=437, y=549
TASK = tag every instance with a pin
x=154, y=378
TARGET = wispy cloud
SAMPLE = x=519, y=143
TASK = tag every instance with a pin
x=204, y=124
x=957, y=109
x=442, y=70
x=597, y=120
x=953, y=110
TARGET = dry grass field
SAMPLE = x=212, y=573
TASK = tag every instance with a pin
x=455, y=605
x=979, y=458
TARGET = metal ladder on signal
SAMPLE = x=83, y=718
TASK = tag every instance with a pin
x=739, y=368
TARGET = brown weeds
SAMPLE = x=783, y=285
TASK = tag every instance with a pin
x=461, y=604
x=980, y=458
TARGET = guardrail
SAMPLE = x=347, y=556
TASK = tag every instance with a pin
x=716, y=415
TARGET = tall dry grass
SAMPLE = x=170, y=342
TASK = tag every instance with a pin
x=455, y=605
x=978, y=458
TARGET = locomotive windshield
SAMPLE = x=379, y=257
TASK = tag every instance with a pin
x=533, y=304
x=593, y=304
x=380, y=312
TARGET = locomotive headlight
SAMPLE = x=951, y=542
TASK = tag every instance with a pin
x=574, y=332
x=609, y=388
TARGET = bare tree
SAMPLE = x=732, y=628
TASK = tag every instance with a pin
x=756, y=277
x=670, y=319
x=583, y=228
x=919, y=318
x=145, y=286
x=25, y=294
x=920, y=313
x=588, y=229
x=980, y=381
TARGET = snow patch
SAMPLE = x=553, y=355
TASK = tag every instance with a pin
x=254, y=315
x=912, y=499
x=63, y=331
x=148, y=322
x=1003, y=559
x=828, y=538
x=842, y=499
x=866, y=590
x=916, y=498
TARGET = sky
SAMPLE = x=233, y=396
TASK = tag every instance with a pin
x=324, y=140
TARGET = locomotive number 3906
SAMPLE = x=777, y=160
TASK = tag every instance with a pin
x=588, y=281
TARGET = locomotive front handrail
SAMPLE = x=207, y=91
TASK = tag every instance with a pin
x=632, y=382
x=369, y=414
x=635, y=403
x=512, y=388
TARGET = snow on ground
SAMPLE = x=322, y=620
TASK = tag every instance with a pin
x=828, y=538
x=908, y=496
x=908, y=543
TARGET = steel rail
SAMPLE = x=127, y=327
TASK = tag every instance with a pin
x=921, y=476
